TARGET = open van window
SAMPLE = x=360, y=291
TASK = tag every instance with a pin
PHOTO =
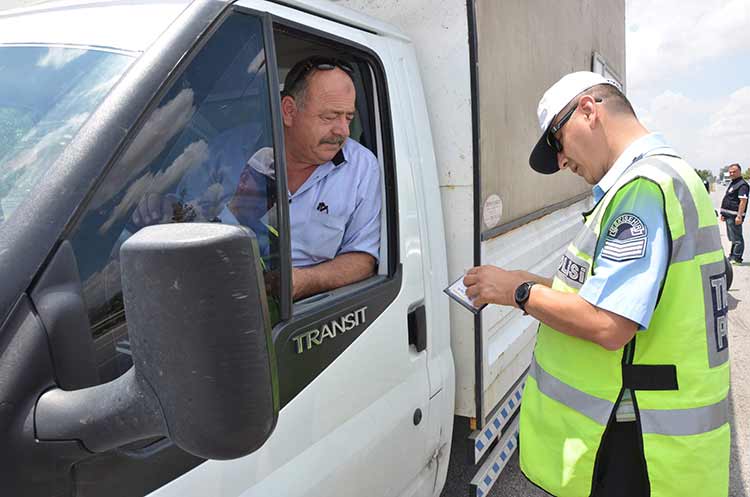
x=46, y=95
x=302, y=53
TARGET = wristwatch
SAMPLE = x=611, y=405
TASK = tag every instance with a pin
x=522, y=295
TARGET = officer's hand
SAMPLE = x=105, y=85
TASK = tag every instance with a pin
x=722, y=218
x=155, y=209
x=492, y=285
x=738, y=220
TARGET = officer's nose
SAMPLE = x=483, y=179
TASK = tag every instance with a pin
x=562, y=161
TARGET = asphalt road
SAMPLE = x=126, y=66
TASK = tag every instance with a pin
x=513, y=484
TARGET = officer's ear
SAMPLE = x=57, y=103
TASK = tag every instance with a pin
x=588, y=108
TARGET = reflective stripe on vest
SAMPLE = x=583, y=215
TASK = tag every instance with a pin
x=592, y=407
x=655, y=421
x=683, y=422
x=697, y=240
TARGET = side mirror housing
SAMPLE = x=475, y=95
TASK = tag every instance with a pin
x=204, y=371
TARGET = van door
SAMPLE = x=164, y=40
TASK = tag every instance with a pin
x=354, y=391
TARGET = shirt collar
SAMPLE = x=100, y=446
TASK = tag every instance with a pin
x=644, y=146
x=339, y=158
x=323, y=170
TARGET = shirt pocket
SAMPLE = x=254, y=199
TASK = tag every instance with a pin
x=323, y=235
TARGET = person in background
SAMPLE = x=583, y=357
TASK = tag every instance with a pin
x=733, y=211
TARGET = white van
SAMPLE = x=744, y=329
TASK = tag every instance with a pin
x=154, y=362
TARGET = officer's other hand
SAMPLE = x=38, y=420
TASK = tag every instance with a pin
x=492, y=285
x=155, y=208
x=722, y=218
x=738, y=220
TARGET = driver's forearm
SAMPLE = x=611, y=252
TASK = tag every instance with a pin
x=343, y=270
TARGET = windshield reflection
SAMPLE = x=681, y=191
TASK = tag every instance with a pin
x=46, y=95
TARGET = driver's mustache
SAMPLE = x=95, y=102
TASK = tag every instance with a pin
x=333, y=140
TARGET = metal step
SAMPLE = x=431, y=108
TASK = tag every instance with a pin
x=481, y=440
x=497, y=459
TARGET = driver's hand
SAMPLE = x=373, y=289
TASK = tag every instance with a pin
x=155, y=208
x=272, y=280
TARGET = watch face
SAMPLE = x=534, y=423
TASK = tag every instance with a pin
x=522, y=292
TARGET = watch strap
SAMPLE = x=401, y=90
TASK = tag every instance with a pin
x=522, y=302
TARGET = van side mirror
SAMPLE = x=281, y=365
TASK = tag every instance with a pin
x=204, y=371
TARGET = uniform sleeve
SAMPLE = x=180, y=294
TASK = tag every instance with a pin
x=362, y=232
x=631, y=256
x=743, y=190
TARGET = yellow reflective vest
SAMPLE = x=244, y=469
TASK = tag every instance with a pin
x=677, y=369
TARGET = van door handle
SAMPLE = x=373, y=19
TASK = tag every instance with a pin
x=418, y=328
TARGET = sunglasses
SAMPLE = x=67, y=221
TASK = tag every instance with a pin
x=552, y=140
x=301, y=69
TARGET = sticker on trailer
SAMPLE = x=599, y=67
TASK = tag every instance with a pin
x=492, y=211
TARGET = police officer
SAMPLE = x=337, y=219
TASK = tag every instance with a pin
x=733, y=209
x=627, y=390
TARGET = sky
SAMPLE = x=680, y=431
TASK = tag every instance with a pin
x=688, y=76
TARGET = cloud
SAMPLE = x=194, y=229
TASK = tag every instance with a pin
x=727, y=134
x=163, y=125
x=678, y=117
x=194, y=154
x=708, y=133
x=670, y=38
x=57, y=57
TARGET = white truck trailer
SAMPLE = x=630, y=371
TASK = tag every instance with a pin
x=108, y=384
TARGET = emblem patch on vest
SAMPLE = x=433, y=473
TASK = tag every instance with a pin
x=626, y=239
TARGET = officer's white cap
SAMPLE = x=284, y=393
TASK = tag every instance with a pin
x=543, y=157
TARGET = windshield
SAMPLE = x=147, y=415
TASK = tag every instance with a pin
x=46, y=95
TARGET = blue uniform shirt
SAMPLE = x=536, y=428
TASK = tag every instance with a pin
x=632, y=252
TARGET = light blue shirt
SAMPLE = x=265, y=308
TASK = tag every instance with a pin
x=628, y=272
x=337, y=209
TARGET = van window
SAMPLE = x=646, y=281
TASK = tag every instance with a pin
x=185, y=164
x=300, y=351
x=366, y=141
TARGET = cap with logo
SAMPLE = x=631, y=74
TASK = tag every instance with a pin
x=543, y=158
